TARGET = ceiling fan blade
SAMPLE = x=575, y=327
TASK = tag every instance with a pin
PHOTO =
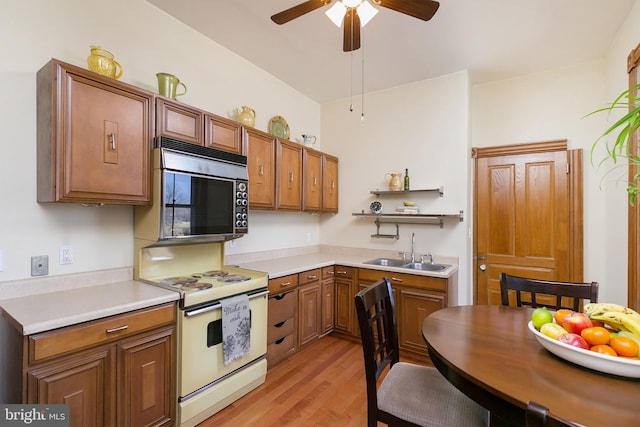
x=351, y=27
x=297, y=11
x=421, y=9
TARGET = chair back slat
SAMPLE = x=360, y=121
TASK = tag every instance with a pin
x=568, y=295
x=379, y=334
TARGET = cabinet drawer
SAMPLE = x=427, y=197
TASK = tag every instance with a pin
x=309, y=276
x=413, y=280
x=280, y=330
x=73, y=338
x=281, y=347
x=282, y=307
x=342, y=271
x=282, y=284
x=328, y=272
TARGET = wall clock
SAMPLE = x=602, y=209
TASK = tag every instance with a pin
x=376, y=207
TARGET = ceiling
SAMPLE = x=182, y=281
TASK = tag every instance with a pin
x=493, y=39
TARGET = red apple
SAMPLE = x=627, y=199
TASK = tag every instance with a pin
x=574, y=340
x=576, y=322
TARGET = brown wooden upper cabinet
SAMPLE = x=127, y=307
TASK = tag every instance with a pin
x=319, y=181
x=288, y=176
x=311, y=180
x=189, y=124
x=329, y=183
x=261, y=163
x=93, y=137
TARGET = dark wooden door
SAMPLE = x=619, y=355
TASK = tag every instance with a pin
x=526, y=216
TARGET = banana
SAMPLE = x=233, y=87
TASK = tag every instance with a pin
x=607, y=307
x=619, y=321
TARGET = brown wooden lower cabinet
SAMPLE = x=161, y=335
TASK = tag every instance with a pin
x=282, y=328
x=126, y=380
x=345, y=291
x=415, y=298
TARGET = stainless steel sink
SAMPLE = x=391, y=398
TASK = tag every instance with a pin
x=387, y=262
x=425, y=266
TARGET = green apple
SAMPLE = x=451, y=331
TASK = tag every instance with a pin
x=540, y=316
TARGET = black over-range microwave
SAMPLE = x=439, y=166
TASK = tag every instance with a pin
x=200, y=194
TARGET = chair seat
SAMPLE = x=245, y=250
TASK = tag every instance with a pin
x=421, y=395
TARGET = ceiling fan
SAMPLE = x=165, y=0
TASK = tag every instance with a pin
x=348, y=13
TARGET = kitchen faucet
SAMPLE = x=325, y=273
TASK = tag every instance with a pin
x=413, y=244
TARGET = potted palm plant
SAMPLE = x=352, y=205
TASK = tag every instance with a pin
x=622, y=147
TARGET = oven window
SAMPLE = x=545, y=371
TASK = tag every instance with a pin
x=195, y=205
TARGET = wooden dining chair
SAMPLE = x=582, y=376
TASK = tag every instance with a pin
x=534, y=287
x=539, y=416
x=409, y=394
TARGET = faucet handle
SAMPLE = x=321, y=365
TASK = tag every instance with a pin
x=430, y=255
x=403, y=255
x=422, y=258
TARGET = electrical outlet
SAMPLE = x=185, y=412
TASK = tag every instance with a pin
x=232, y=243
x=308, y=236
x=66, y=255
x=40, y=265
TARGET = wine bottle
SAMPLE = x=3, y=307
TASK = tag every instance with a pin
x=406, y=180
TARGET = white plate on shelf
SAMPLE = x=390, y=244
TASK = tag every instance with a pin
x=589, y=359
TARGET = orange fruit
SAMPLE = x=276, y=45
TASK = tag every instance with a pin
x=595, y=335
x=560, y=314
x=624, y=346
x=603, y=349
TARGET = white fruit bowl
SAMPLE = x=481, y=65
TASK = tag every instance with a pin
x=589, y=359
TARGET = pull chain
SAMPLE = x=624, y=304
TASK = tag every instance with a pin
x=362, y=89
x=351, y=81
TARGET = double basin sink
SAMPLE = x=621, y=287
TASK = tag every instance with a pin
x=423, y=266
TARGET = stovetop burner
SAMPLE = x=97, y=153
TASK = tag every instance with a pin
x=234, y=278
x=197, y=285
x=211, y=273
x=178, y=281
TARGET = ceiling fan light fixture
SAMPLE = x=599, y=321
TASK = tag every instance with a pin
x=366, y=12
x=352, y=3
x=336, y=13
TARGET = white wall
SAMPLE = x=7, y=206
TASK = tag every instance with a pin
x=145, y=41
x=422, y=127
x=552, y=105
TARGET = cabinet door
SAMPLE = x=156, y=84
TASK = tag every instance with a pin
x=312, y=181
x=223, y=134
x=344, y=303
x=309, y=313
x=414, y=306
x=289, y=176
x=94, y=138
x=146, y=369
x=85, y=382
x=327, y=307
x=261, y=163
x=329, y=183
x=179, y=121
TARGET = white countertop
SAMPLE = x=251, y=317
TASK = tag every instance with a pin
x=45, y=311
x=283, y=266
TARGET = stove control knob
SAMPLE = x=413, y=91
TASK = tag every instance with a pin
x=242, y=186
x=244, y=223
x=244, y=202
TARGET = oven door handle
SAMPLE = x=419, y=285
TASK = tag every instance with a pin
x=197, y=311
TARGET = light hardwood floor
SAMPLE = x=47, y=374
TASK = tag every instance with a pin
x=321, y=385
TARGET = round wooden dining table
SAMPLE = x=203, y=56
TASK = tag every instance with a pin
x=489, y=353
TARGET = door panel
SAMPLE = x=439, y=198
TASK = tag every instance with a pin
x=522, y=219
